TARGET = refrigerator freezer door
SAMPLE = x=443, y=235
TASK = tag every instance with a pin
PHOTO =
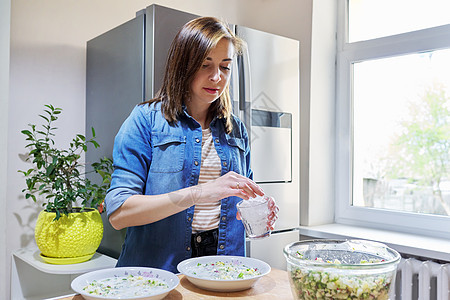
x=270, y=249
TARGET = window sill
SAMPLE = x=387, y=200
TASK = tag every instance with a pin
x=409, y=244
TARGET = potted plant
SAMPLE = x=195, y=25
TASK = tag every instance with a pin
x=69, y=229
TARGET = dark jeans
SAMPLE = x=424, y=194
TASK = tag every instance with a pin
x=204, y=243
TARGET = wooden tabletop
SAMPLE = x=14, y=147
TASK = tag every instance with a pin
x=273, y=286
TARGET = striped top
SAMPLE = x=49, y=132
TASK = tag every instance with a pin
x=206, y=215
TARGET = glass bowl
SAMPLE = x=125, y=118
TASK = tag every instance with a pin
x=341, y=269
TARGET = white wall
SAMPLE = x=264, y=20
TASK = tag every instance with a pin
x=319, y=207
x=5, y=8
x=47, y=58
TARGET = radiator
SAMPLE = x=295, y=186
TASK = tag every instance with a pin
x=421, y=280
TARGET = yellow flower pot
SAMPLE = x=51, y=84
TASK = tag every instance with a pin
x=71, y=239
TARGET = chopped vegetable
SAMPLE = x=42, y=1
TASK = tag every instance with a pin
x=326, y=283
x=223, y=271
x=127, y=286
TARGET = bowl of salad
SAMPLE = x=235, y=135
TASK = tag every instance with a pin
x=341, y=269
x=223, y=273
x=125, y=283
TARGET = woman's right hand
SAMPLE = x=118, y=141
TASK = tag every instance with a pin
x=230, y=184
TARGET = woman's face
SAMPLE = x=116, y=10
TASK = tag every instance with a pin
x=214, y=74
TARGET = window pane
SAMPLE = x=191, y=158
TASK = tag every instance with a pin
x=401, y=124
x=369, y=19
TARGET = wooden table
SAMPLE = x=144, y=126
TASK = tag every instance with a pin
x=275, y=285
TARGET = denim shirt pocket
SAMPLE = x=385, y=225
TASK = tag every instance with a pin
x=237, y=154
x=167, y=153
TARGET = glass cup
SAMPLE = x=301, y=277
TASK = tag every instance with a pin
x=255, y=215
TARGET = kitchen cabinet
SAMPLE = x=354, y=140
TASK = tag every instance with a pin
x=33, y=279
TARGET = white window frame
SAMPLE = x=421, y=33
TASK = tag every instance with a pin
x=348, y=53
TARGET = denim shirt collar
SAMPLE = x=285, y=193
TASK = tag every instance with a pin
x=187, y=115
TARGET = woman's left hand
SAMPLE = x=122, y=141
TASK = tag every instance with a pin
x=273, y=216
x=273, y=213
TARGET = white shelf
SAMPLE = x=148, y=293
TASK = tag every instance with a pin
x=32, y=257
x=32, y=278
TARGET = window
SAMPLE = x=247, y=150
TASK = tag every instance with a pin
x=374, y=19
x=393, y=115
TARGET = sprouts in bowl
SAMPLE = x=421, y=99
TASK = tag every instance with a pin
x=137, y=283
x=223, y=273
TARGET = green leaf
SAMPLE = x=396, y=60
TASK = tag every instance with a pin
x=44, y=117
x=96, y=145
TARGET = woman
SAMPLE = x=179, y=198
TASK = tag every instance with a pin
x=182, y=159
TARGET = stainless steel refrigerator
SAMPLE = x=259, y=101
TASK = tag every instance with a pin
x=125, y=66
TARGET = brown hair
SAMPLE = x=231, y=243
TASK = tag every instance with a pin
x=189, y=49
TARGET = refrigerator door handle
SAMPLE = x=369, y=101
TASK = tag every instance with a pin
x=240, y=80
x=245, y=94
x=234, y=87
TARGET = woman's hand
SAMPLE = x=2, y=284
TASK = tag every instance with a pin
x=230, y=184
x=273, y=215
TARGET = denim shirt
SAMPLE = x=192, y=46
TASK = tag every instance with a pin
x=153, y=157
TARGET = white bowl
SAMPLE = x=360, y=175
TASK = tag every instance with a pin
x=223, y=285
x=151, y=273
